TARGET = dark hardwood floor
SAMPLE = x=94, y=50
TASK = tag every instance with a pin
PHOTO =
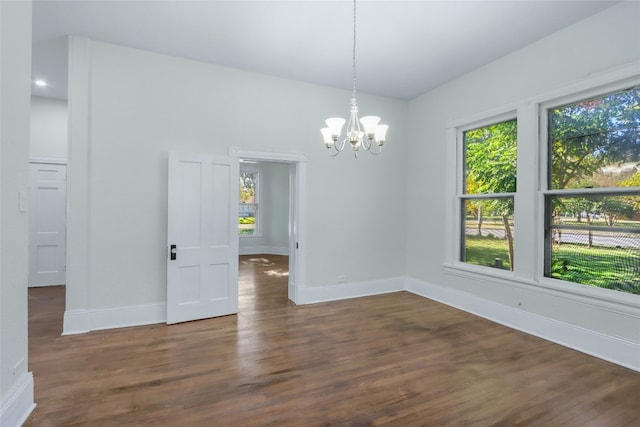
x=394, y=360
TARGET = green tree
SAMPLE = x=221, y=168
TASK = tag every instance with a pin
x=634, y=201
x=588, y=135
x=247, y=187
x=576, y=206
x=491, y=156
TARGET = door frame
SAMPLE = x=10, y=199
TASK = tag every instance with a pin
x=297, y=209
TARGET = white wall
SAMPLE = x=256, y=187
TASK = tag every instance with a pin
x=48, y=130
x=603, y=42
x=274, y=211
x=129, y=107
x=16, y=384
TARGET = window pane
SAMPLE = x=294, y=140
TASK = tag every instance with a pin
x=595, y=142
x=248, y=187
x=488, y=232
x=247, y=219
x=490, y=159
x=595, y=240
x=248, y=207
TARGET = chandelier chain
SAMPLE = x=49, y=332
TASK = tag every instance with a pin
x=354, y=49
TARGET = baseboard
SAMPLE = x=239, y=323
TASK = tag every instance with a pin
x=613, y=349
x=267, y=250
x=315, y=294
x=45, y=286
x=15, y=410
x=82, y=321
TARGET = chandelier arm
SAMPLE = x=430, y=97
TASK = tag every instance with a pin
x=333, y=152
x=372, y=151
x=366, y=143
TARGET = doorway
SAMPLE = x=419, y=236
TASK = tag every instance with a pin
x=296, y=227
x=263, y=232
x=202, y=269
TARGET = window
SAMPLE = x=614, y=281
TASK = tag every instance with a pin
x=248, y=213
x=564, y=168
x=489, y=186
x=592, y=205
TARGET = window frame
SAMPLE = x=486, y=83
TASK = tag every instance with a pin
x=257, y=223
x=462, y=195
x=529, y=199
x=544, y=176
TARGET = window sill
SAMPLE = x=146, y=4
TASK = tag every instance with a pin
x=602, y=298
x=253, y=236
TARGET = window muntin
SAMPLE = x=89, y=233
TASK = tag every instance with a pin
x=248, y=222
x=489, y=184
x=592, y=210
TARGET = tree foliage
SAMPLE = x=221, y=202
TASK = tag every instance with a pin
x=491, y=156
x=633, y=181
x=247, y=187
x=588, y=135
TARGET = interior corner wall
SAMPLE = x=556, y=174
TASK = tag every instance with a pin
x=129, y=107
x=49, y=129
x=274, y=212
x=16, y=383
x=605, y=41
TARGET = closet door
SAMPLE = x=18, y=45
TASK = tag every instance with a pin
x=47, y=224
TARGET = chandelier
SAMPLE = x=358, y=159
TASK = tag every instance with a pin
x=365, y=133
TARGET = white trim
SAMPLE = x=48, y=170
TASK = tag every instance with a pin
x=600, y=191
x=315, y=294
x=575, y=292
x=15, y=410
x=48, y=160
x=267, y=250
x=83, y=321
x=79, y=280
x=249, y=154
x=613, y=349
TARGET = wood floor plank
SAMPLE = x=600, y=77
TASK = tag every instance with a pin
x=388, y=360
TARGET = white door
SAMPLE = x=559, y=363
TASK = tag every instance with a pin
x=47, y=224
x=202, y=280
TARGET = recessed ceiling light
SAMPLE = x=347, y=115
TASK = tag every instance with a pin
x=40, y=83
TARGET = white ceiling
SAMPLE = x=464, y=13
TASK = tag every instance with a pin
x=404, y=48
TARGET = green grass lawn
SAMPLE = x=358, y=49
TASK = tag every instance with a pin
x=484, y=250
x=604, y=267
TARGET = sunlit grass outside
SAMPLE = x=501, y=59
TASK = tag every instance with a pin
x=484, y=250
x=604, y=267
x=246, y=225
